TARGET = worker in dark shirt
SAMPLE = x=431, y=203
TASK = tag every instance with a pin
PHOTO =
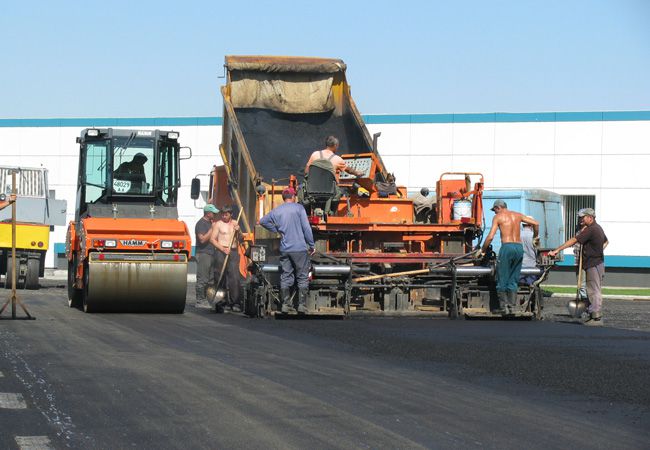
x=204, y=253
x=593, y=240
x=296, y=246
x=133, y=172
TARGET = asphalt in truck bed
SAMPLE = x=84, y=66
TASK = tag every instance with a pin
x=202, y=380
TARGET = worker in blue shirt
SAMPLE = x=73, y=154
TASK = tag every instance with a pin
x=296, y=246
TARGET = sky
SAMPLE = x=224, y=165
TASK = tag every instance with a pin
x=143, y=58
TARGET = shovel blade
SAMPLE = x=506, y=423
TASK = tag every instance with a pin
x=576, y=308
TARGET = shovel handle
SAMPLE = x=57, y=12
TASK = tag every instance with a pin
x=232, y=239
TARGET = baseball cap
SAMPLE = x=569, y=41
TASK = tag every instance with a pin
x=140, y=156
x=499, y=203
x=288, y=191
x=587, y=212
x=210, y=208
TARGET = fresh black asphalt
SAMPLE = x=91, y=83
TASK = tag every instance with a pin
x=201, y=380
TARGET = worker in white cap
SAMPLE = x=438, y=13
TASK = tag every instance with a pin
x=530, y=253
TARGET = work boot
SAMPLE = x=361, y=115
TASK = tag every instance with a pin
x=595, y=319
x=503, y=302
x=302, y=301
x=287, y=304
x=512, y=301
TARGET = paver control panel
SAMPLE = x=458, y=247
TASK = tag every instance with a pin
x=363, y=165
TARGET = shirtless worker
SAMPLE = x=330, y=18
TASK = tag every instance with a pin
x=511, y=252
x=223, y=231
x=329, y=154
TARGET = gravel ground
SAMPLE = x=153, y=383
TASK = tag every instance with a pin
x=617, y=313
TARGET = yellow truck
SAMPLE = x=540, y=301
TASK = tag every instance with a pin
x=37, y=212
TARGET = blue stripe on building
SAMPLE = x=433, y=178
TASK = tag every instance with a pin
x=373, y=119
x=633, y=262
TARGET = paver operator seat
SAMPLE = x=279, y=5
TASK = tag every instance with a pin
x=320, y=189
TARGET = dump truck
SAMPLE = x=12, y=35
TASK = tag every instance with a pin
x=376, y=252
x=126, y=249
x=37, y=212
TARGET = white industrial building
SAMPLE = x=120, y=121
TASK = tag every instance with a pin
x=600, y=158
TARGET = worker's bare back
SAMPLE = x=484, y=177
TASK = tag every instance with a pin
x=509, y=224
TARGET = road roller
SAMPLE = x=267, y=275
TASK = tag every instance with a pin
x=127, y=250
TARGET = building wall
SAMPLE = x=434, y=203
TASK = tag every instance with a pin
x=605, y=154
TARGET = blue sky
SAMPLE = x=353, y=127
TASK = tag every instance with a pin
x=161, y=59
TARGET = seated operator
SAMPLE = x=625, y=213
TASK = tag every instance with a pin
x=133, y=171
x=329, y=154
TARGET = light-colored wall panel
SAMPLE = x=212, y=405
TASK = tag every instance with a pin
x=626, y=171
x=41, y=142
x=431, y=139
x=398, y=165
x=483, y=164
x=522, y=172
x=624, y=206
x=626, y=137
x=11, y=139
x=623, y=240
x=524, y=138
x=473, y=138
x=578, y=138
x=576, y=171
x=426, y=170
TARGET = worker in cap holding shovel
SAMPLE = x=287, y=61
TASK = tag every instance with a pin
x=593, y=240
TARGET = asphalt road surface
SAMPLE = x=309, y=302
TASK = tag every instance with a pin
x=201, y=380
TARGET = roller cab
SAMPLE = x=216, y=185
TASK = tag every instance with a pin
x=127, y=251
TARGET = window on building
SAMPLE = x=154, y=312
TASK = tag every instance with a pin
x=572, y=204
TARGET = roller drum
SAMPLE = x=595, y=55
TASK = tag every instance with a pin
x=136, y=285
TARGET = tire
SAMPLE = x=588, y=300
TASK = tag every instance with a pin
x=74, y=295
x=87, y=306
x=33, y=270
x=8, y=285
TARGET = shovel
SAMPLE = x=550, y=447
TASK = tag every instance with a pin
x=220, y=294
x=577, y=306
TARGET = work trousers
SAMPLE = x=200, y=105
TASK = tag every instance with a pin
x=231, y=276
x=595, y=277
x=511, y=256
x=204, y=274
x=295, y=270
